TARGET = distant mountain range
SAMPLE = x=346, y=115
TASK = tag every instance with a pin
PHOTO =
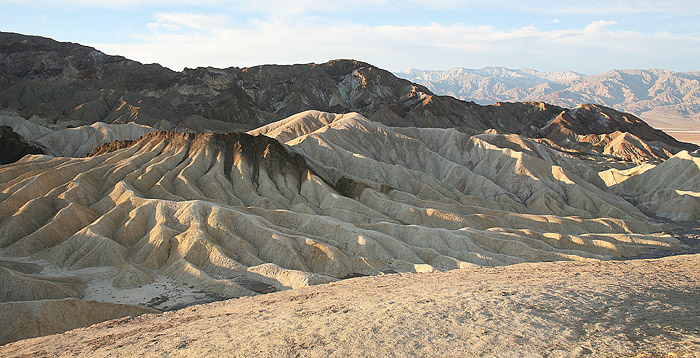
x=664, y=99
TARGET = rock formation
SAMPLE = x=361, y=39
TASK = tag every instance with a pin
x=669, y=190
x=27, y=319
x=630, y=308
x=70, y=142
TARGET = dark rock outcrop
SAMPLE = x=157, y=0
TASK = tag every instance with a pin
x=13, y=147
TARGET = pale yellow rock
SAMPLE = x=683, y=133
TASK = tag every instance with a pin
x=670, y=189
x=73, y=142
x=632, y=308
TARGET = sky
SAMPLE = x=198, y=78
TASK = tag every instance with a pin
x=583, y=36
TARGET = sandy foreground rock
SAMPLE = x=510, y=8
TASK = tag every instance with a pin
x=639, y=308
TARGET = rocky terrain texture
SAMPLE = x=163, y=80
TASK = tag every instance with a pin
x=637, y=308
x=63, y=84
x=22, y=319
x=665, y=99
x=69, y=84
x=120, y=217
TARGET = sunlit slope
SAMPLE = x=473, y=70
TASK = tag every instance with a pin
x=670, y=189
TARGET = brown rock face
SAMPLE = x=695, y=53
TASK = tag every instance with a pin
x=594, y=119
x=110, y=147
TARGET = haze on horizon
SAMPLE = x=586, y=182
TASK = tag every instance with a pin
x=582, y=36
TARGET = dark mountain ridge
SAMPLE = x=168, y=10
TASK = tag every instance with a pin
x=69, y=84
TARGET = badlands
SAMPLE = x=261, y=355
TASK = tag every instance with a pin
x=431, y=225
x=173, y=219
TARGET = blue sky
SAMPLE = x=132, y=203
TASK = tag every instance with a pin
x=583, y=36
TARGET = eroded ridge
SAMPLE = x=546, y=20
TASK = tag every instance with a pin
x=217, y=210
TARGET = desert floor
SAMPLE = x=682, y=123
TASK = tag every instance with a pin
x=683, y=129
x=640, y=308
x=692, y=136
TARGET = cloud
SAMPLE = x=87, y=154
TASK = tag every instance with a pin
x=577, y=7
x=155, y=26
x=598, y=26
x=395, y=34
x=297, y=7
x=106, y=4
x=170, y=21
x=180, y=40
